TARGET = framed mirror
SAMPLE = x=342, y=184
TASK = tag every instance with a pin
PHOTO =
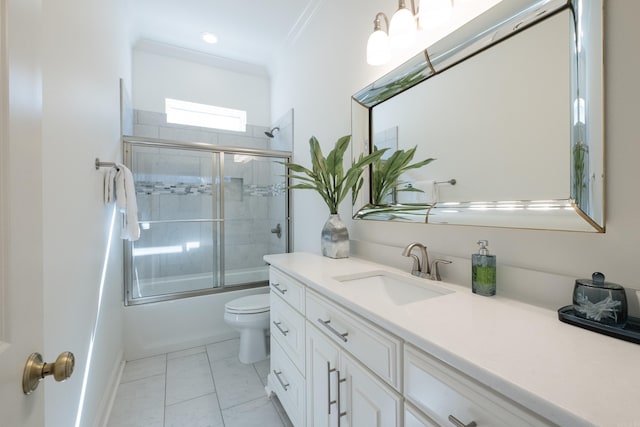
x=511, y=107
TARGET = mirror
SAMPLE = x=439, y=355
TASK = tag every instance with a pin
x=511, y=107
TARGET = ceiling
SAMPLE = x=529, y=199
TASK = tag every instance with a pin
x=248, y=31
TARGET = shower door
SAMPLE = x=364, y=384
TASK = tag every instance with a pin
x=207, y=217
x=254, y=206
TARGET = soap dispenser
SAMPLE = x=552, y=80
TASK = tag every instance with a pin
x=483, y=271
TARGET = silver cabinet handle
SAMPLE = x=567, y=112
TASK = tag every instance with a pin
x=283, y=331
x=278, y=373
x=278, y=288
x=326, y=324
x=340, y=413
x=456, y=422
x=329, y=401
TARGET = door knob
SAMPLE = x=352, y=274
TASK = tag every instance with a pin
x=35, y=369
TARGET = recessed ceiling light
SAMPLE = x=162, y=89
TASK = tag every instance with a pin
x=209, y=38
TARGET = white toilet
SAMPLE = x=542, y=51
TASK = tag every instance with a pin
x=250, y=316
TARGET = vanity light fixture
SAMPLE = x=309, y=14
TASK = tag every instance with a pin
x=403, y=28
x=378, y=49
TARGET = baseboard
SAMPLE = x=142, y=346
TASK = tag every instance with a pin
x=109, y=397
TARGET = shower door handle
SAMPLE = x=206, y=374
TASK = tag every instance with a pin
x=277, y=231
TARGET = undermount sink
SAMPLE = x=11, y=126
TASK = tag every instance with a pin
x=395, y=288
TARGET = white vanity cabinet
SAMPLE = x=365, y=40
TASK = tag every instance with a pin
x=341, y=392
x=330, y=367
x=287, y=374
x=451, y=398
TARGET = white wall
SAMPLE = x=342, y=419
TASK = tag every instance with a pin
x=317, y=75
x=156, y=77
x=85, y=51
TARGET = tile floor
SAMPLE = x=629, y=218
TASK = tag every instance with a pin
x=199, y=387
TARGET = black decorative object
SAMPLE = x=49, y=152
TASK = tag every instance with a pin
x=600, y=301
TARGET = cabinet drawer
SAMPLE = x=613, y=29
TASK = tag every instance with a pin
x=375, y=348
x=288, y=288
x=287, y=327
x=285, y=380
x=441, y=391
x=414, y=418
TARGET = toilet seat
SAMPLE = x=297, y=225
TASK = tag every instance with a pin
x=252, y=304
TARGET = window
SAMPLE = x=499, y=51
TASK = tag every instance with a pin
x=203, y=115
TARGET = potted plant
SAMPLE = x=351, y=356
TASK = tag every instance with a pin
x=329, y=179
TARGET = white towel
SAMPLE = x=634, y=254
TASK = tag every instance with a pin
x=126, y=203
x=110, y=185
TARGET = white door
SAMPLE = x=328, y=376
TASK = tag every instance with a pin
x=368, y=401
x=21, y=291
x=322, y=391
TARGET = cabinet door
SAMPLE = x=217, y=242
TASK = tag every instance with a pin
x=322, y=363
x=367, y=401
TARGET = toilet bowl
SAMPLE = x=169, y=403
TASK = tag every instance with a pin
x=250, y=316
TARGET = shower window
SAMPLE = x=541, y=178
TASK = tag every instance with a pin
x=207, y=217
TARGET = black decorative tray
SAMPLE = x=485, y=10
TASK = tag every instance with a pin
x=629, y=332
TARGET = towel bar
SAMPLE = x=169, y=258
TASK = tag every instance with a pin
x=451, y=181
x=100, y=164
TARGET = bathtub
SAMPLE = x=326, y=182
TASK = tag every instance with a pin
x=196, y=282
x=180, y=323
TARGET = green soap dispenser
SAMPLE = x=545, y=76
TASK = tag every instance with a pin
x=483, y=271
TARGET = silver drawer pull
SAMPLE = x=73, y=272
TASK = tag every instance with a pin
x=278, y=373
x=456, y=422
x=283, y=331
x=326, y=324
x=278, y=288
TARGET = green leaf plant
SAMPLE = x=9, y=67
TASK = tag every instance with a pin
x=327, y=175
x=386, y=173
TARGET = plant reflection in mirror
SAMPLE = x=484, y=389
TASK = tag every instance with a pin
x=387, y=172
x=581, y=175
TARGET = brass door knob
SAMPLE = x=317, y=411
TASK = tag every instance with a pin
x=35, y=369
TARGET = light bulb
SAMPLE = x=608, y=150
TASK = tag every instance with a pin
x=434, y=13
x=402, y=29
x=378, y=51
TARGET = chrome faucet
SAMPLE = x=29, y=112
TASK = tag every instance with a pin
x=421, y=266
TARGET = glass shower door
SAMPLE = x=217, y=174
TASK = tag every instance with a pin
x=255, y=215
x=179, y=210
x=207, y=218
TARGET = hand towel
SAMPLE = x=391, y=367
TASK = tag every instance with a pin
x=126, y=203
x=110, y=185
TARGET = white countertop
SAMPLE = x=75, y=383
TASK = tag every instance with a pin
x=568, y=375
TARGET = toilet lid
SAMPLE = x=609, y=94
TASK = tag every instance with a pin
x=250, y=304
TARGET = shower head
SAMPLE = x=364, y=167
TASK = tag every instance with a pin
x=271, y=133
